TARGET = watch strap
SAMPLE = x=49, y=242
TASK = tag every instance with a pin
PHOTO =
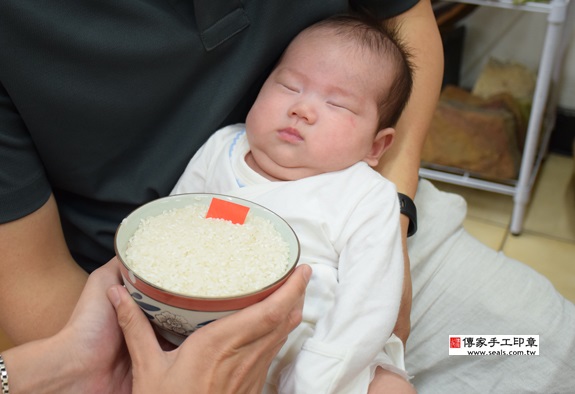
x=407, y=208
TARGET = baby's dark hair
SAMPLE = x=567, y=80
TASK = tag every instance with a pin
x=382, y=39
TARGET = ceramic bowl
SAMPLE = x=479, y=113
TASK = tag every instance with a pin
x=175, y=316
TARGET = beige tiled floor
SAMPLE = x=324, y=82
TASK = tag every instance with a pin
x=547, y=242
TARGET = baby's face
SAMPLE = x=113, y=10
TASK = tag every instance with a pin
x=317, y=111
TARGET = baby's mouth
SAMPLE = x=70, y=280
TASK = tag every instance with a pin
x=290, y=134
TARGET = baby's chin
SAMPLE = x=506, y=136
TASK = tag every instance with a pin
x=277, y=172
x=294, y=174
x=284, y=174
x=268, y=168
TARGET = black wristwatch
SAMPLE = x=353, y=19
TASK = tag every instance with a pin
x=407, y=208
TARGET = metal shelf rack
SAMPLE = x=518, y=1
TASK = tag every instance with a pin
x=542, y=117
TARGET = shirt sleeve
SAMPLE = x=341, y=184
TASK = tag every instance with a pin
x=337, y=358
x=24, y=186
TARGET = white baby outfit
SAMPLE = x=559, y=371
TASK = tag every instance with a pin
x=348, y=226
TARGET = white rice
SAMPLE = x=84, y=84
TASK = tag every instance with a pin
x=184, y=252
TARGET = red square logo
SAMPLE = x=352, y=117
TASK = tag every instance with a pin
x=455, y=343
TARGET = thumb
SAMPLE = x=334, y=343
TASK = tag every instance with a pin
x=138, y=332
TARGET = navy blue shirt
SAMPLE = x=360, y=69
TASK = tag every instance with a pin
x=103, y=102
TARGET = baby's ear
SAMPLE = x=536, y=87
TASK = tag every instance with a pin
x=382, y=141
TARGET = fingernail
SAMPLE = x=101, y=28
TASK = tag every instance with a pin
x=114, y=296
x=307, y=273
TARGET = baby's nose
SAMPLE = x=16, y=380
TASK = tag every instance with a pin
x=304, y=110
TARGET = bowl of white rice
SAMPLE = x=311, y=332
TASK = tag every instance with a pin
x=187, y=265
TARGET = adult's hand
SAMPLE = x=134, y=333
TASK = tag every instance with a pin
x=87, y=356
x=230, y=355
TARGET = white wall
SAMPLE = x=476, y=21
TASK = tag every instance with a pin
x=515, y=36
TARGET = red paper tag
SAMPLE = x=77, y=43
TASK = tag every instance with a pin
x=227, y=210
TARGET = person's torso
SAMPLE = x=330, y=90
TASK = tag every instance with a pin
x=115, y=97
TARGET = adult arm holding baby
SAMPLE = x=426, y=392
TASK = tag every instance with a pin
x=400, y=164
x=41, y=282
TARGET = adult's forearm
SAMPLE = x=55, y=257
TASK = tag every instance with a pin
x=400, y=164
x=41, y=283
x=418, y=29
